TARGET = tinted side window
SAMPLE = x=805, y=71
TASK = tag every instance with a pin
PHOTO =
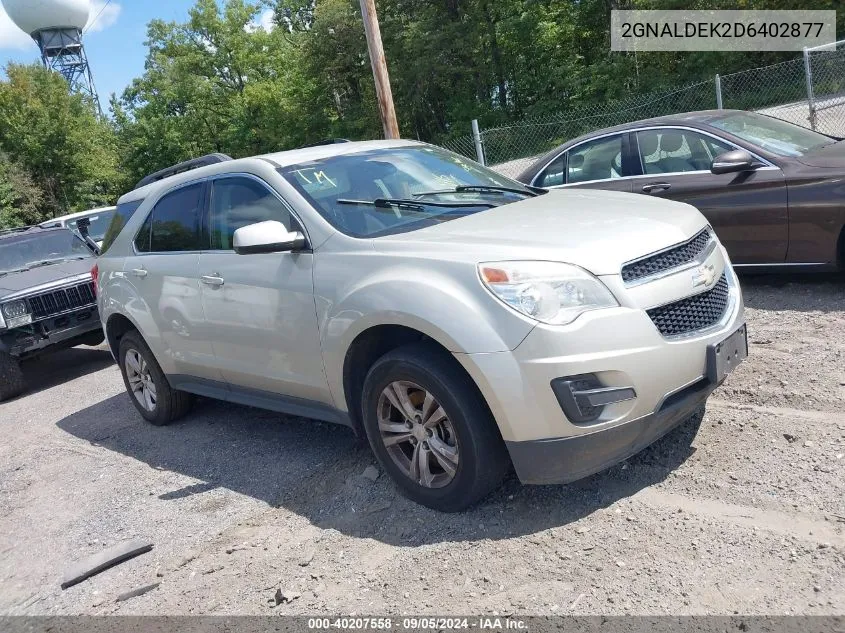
x=238, y=202
x=121, y=217
x=554, y=174
x=142, y=240
x=175, y=221
x=600, y=159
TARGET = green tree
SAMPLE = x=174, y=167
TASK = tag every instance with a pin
x=216, y=83
x=57, y=138
x=20, y=197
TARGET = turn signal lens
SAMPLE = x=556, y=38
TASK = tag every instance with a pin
x=494, y=275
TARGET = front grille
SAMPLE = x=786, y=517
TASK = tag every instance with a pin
x=693, y=313
x=55, y=302
x=666, y=260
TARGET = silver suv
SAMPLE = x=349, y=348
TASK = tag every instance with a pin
x=461, y=321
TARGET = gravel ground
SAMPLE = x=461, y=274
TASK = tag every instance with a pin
x=743, y=513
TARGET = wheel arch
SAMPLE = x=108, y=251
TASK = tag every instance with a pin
x=117, y=325
x=840, y=249
x=367, y=347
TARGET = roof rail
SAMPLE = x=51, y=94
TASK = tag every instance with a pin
x=188, y=165
x=328, y=141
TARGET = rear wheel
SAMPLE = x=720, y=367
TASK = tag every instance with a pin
x=431, y=430
x=147, y=385
x=11, y=377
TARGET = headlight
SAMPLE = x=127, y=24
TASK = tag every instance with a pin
x=549, y=292
x=16, y=313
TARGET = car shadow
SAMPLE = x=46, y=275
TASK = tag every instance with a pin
x=314, y=469
x=805, y=292
x=59, y=367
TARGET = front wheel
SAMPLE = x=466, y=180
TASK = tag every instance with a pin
x=12, y=382
x=147, y=385
x=431, y=430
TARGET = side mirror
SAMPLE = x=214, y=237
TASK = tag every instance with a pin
x=735, y=161
x=267, y=237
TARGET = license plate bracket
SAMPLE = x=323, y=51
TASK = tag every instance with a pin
x=725, y=356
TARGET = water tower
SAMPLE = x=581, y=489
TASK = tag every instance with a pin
x=56, y=26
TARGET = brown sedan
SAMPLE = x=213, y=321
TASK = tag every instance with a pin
x=773, y=191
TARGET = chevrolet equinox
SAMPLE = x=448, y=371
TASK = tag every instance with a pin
x=463, y=322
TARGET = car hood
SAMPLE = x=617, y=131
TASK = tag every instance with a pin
x=597, y=230
x=18, y=283
x=832, y=155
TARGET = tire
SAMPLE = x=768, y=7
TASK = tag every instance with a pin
x=12, y=382
x=94, y=339
x=468, y=430
x=168, y=404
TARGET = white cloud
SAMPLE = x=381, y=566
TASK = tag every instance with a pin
x=108, y=15
x=11, y=37
x=264, y=22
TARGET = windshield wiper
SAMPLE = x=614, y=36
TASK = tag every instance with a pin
x=50, y=262
x=482, y=189
x=416, y=205
x=3, y=273
x=523, y=192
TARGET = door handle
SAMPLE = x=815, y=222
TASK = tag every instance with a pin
x=215, y=281
x=139, y=272
x=657, y=186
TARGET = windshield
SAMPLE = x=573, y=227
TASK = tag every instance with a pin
x=99, y=224
x=773, y=135
x=416, y=186
x=22, y=252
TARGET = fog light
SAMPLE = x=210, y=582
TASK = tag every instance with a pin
x=583, y=397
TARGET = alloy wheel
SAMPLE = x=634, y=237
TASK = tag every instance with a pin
x=418, y=434
x=140, y=380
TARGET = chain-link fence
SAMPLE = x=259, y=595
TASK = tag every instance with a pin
x=827, y=74
x=808, y=91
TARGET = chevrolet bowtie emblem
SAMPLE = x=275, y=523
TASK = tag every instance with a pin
x=704, y=275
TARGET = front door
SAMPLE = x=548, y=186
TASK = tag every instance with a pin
x=260, y=308
x=748, y=210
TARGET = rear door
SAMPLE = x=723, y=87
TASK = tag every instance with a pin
x=600, y=163
x=260, y=307
x=164, y=272
x=748, y=210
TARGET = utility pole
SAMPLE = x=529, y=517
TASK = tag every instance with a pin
x=379, y=64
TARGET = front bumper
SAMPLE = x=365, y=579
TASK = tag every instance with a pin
x=561, y=460
x=56, y=333
x=622, y=348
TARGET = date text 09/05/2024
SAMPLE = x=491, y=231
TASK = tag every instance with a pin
x=493, y=623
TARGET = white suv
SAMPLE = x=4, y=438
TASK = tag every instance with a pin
x=462, y=321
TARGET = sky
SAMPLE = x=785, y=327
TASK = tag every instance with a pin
x=114, y=42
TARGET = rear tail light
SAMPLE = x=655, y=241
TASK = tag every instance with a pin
x=95, y=277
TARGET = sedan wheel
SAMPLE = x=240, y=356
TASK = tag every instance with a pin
x=140, y=380
x=418, y=435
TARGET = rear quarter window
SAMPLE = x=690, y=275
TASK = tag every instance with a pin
x=121, y=217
